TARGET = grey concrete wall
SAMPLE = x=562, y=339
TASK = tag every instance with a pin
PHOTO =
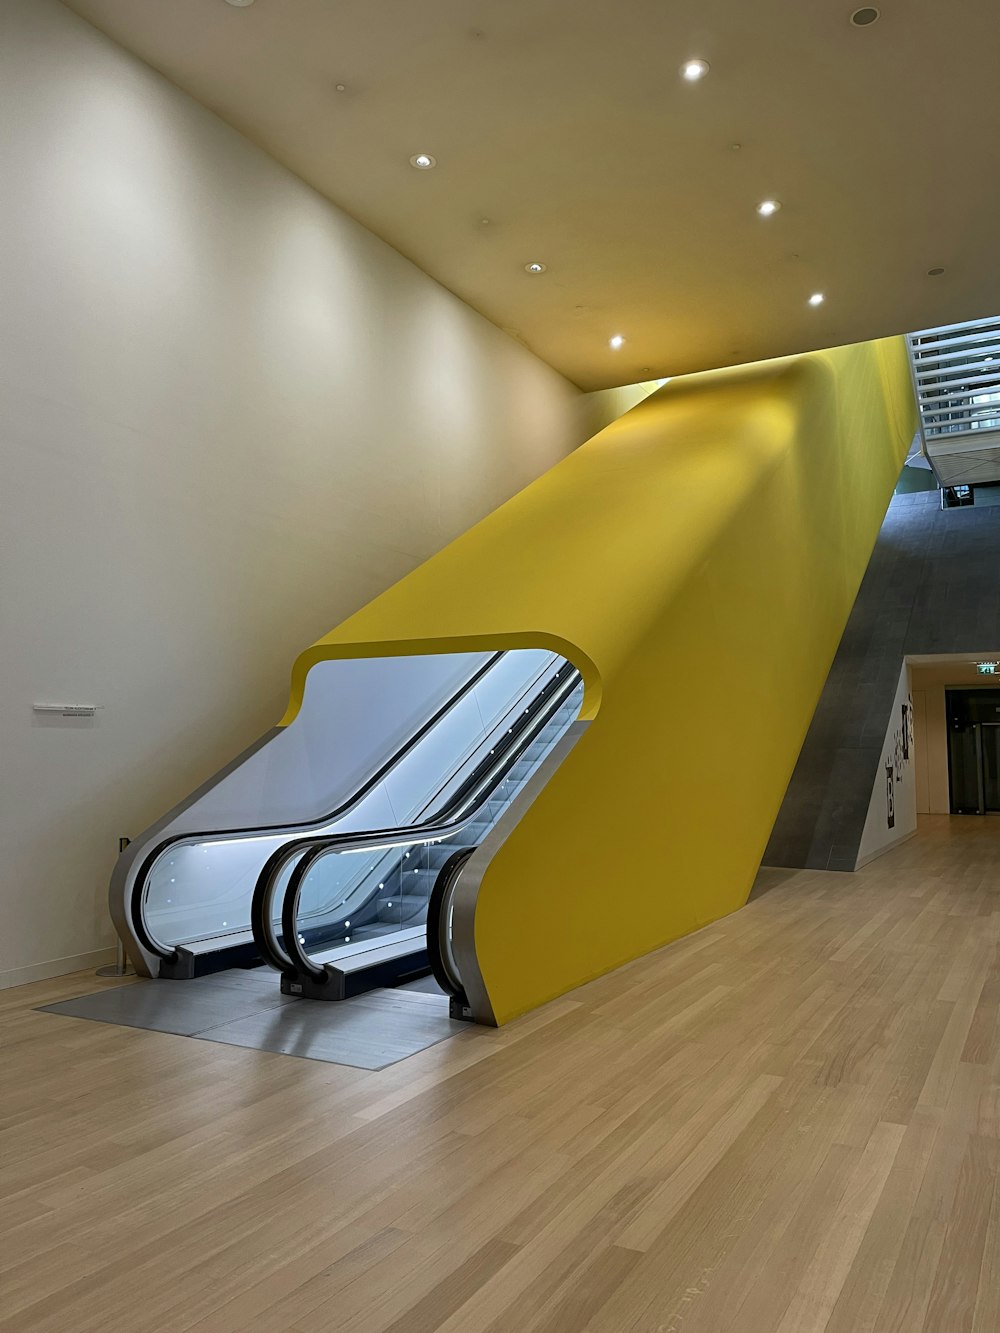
x=932, y=586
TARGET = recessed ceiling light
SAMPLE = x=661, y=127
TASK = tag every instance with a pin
x=693, y=70
x=239, y=4
x=934, y=272
x=423, y=161
x=865, y=17
x=616, y=342
x=817, y=298
x=535, y=268
x=768, y=207
x=341, y=88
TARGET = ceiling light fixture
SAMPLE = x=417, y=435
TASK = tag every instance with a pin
x=616, y=342
x=768, y=207
x=817, y=298
x=693, y=70
x=865, y=17
x=535, y=268
x=934, y=272
x=239, y=4
x=423, y=161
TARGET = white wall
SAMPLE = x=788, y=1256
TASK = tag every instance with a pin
x=230, y=416
x=924, y=728
x=933, y=791
x=892, y=812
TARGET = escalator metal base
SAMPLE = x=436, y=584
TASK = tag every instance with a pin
x=460, y=1009
x=373, y=970
x=190, y=962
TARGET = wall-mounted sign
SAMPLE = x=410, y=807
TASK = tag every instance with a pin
x=67, y=710
x=988, y=668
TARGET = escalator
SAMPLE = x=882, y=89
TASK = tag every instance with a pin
x=182, y=902
x=337, y=915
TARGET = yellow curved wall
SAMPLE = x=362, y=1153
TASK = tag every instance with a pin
x=698, y=560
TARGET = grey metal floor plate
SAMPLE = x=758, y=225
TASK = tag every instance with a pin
x=425, y=984
x=245, y=1008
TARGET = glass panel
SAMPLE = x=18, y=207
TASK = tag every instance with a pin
x=199, y=889
x=964, y=771
x=445, y=757
x=991, y=767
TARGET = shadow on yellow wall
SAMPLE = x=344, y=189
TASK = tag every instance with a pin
x=697, y=560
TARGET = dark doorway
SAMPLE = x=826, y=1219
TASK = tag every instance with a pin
x=974, y=751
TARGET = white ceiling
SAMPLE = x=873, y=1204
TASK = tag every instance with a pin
x=950, y=659
x=566, y=124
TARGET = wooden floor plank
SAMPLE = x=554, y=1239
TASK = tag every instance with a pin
x=812, y=1304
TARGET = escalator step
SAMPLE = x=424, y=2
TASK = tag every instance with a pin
x=404, y=909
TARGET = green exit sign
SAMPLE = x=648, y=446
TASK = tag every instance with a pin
x=988, y=668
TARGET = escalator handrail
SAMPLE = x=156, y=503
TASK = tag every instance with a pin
x=444, y=969
x=461, y=809
x=137, y=895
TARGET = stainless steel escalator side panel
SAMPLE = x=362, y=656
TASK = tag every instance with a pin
x=463, y=930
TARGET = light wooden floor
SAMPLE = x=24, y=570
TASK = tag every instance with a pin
x=787, y=1123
